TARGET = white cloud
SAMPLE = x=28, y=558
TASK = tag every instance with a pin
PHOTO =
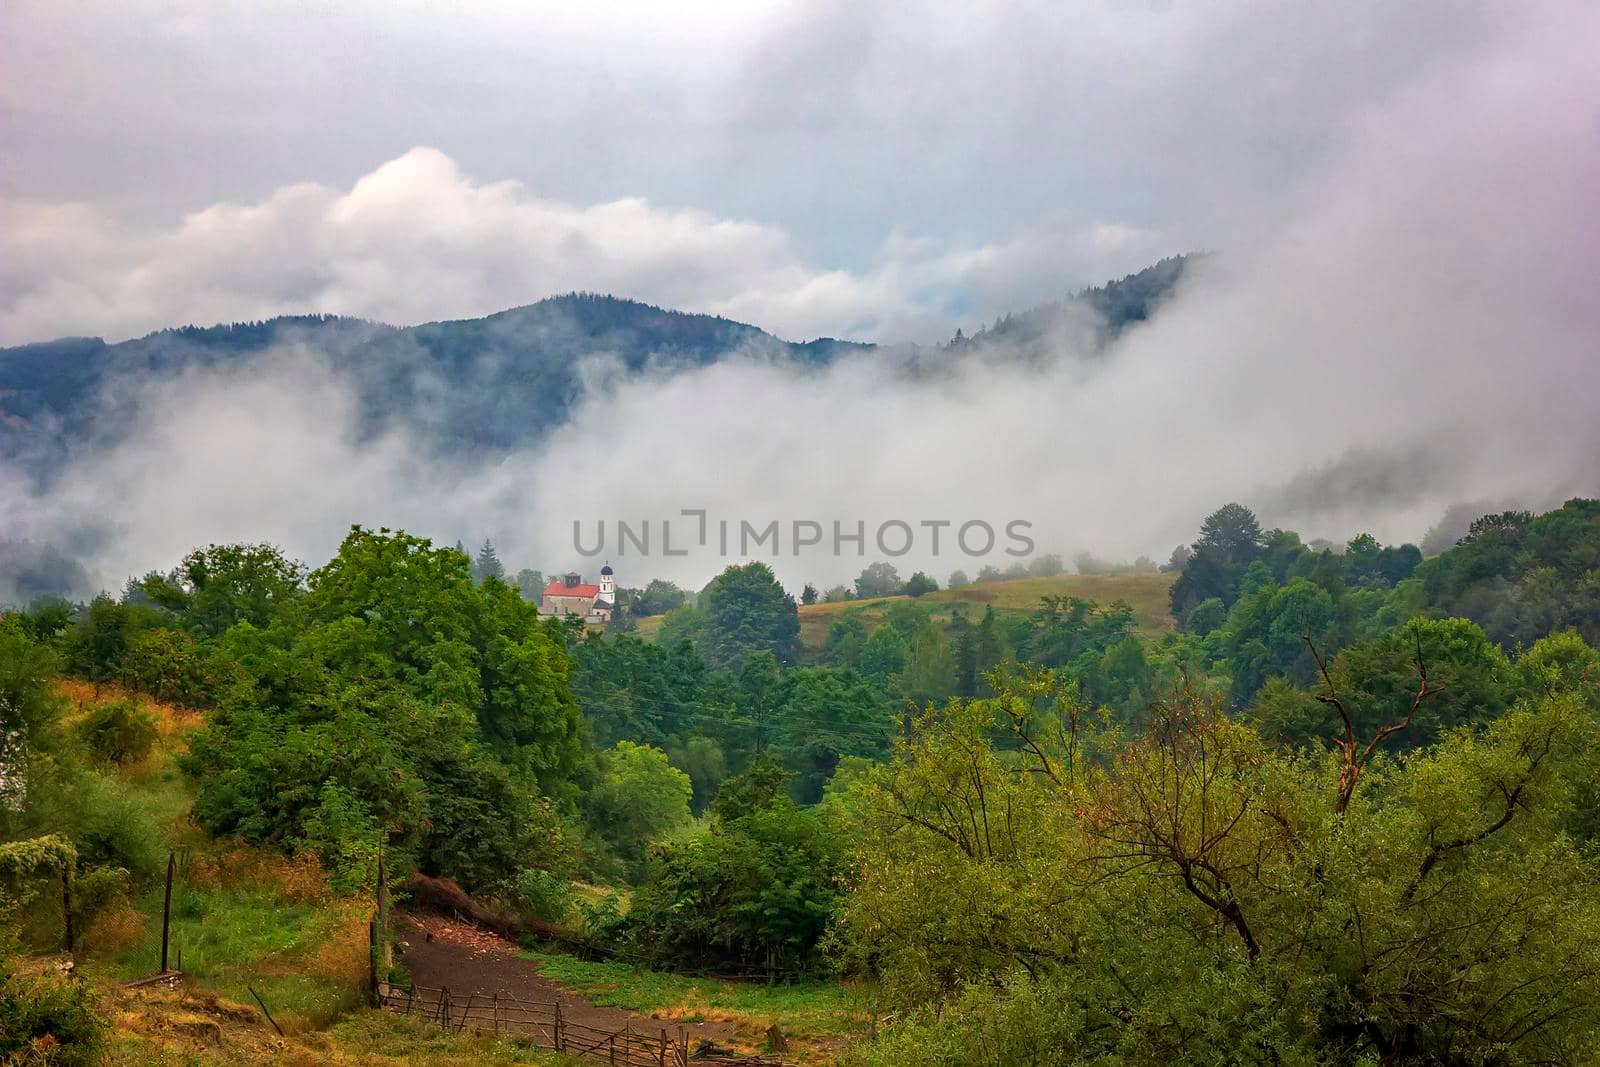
x=416, y=240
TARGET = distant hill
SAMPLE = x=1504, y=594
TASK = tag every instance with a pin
x=1147, y=594
x=1093, y=317
x=491, y=384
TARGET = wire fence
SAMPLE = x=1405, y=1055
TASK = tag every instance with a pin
x=545, y=1025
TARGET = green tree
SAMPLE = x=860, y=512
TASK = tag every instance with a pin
x=847, y=637
x=221, y=585
x=745, y=610
x=639, y=798
x=486, y=564
x=884, y=654
x=930, y=669
x=878, y=579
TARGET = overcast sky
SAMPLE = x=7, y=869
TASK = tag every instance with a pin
x=882, y=171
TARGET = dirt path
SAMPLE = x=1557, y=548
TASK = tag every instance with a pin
x=442, y=953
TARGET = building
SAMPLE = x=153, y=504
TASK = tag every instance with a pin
x=570, y=595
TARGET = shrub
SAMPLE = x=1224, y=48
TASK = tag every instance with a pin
x=120, y=732
x=545, y=894
x=47, y=1020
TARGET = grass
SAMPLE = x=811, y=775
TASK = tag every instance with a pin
x=241, y=916
x=811, y=1012
x=1147, y=594
x=308, y=961
x=160, y=1026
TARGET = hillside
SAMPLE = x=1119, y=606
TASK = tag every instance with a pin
x=492, y=383
x=1147, y=594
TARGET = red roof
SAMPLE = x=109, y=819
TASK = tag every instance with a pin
x=563, y=589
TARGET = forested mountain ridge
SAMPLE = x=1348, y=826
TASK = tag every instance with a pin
x=492, y=383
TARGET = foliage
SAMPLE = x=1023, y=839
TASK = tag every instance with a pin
x=756, y=891
x=639, y=798
x=1196, y=893
x=407, y=705
x=222, y=585
x=119, y=731
x=878, y=579
x=48, y=1020
x=546, y=895
x=745, y=610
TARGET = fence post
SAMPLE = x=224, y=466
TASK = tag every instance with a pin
x=497, y=1013
x=166, y=909
x=444, y=1009
x=611, y=1049
x=66, y=905
x=560, y=1045
x=372, y=962
x=662, y=1059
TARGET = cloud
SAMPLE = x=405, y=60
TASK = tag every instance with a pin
x=416, y=240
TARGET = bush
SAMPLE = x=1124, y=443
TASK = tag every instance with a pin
x=758, y=891
x=47, y=1020
x=120, y=732
x=545, y=894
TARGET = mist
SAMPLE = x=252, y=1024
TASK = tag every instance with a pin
x=1410, y=326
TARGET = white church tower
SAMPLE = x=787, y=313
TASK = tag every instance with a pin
x=608, y=585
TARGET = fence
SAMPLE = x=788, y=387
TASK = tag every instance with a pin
x=544, y=1023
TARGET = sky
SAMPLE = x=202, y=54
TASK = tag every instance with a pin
x=882, y=172
x=1397, y=315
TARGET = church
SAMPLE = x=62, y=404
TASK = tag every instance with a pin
x=570, y=595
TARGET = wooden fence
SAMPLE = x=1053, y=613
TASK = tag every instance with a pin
x=544, y=1024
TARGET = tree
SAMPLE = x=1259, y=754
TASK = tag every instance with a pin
x=958, y=580
x=758, y=891
x=1470, y=680
x=406, y=704
x=878, y=579
x=1205, y=616
x=920, y=583
x=745, y=610
x=487, y=564
x=530, y=583
x=929, y=673
x=30, y=712
x=1233, y=533
x=808, y=595
x=821, y=715
x=1046, y=566
x=884, y=654
x=1198, y=892
x=221, y=585
x=639, y=798
x=1206, y=577
x=658, y=598
x=847, y=637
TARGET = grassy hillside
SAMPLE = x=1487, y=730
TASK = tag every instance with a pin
x=1145, y=593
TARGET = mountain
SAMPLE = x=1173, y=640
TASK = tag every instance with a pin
x=491, y=384
x=1090, y=319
